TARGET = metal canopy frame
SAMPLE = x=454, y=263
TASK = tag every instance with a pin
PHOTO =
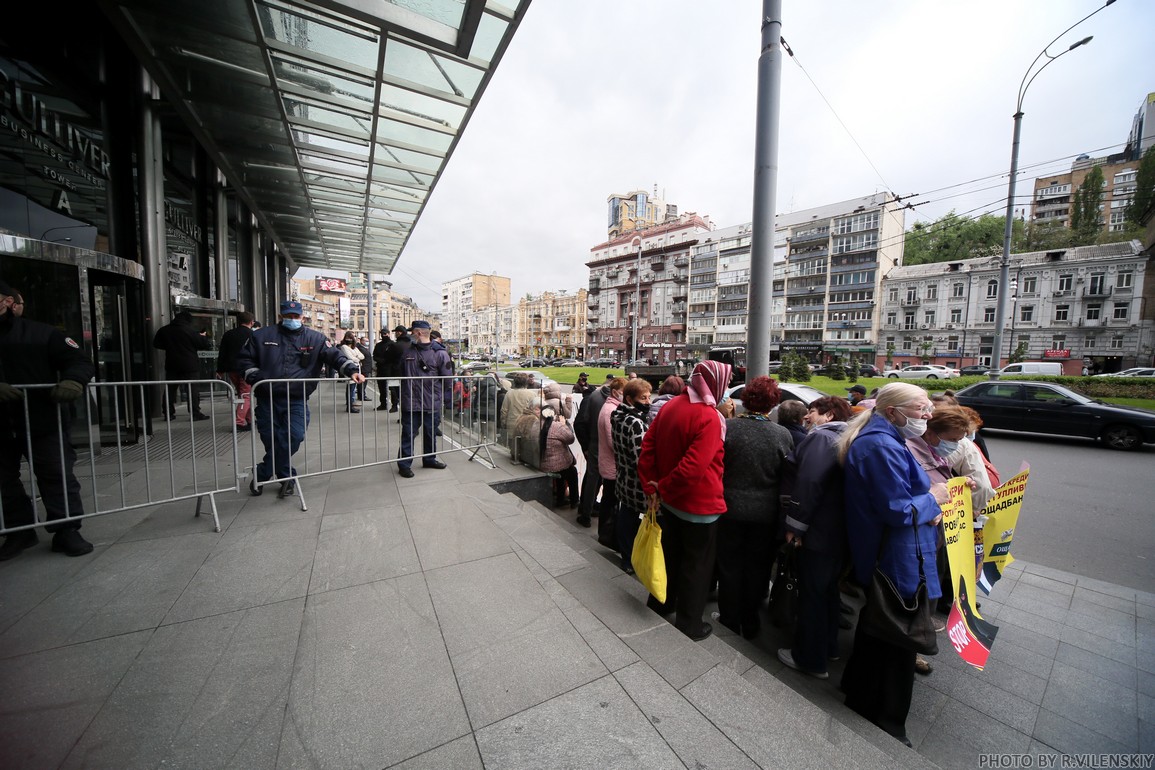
x=333, y=120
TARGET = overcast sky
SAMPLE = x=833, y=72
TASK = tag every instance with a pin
x=595, y=97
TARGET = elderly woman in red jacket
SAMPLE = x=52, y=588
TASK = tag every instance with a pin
x=681, y=465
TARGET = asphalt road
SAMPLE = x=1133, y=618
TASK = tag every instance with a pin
x=1087, y=509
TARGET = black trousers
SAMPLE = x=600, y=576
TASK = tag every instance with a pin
x=566, y=486
x=591, y=484
x=816, y=632
x=608, y=515
x=689, y=551
x=745, y=554
x=878, y=682
x=52, y=463
x=194, y=391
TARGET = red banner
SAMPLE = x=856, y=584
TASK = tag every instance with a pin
x=1056, y=353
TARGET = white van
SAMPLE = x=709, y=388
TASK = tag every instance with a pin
x=1049, y=368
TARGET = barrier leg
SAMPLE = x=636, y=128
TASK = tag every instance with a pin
x=213, y=504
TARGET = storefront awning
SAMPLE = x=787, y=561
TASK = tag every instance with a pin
x=334, y=119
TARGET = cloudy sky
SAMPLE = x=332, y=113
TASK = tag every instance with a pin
x=596, y=97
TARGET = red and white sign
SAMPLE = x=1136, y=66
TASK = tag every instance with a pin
x=1056, y=354
x=336, y=285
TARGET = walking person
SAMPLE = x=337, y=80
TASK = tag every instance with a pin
x=232, y=342
x=286, y=351
x=351, y=351
x=428, y=371
x=366, y=367
x=181, y=343
x=34, y=353
x=892, y=513
x=680, y=467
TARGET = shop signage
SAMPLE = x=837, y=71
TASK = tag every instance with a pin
x=1056, y=354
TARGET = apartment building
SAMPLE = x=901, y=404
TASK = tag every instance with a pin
x=494, y=330
x=643, y=271
x=828, y=261
x=552, y=324
x=637, y=210
x=1053, y=197
x=462, y=296
x=1085, y=306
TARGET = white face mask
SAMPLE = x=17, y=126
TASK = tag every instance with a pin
x=913, y=428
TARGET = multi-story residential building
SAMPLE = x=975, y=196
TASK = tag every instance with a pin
x=320, y=313
x=343, y=303
x=552, y=324
x=1053, y=198
x=1142, y=134
x=637, y=210
x=462, y=296
x=494, y=330
x=646, y=271
x=1086, y=306
x=828, y=261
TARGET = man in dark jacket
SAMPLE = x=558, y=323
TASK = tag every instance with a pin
x=181, y=341
x=286, y=351
x=392, y=364
x=380, y=356
x=227, y=369
x=428, y=370
x=34, y=353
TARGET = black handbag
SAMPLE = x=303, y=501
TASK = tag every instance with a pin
x=784, y=591
x=887, y=616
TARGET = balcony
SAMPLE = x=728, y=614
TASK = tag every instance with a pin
x=821, y=235
x=682, y=262
x=658, y=264
x=1102, y=291
x=911, y=302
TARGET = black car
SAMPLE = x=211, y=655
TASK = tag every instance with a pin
x=1044, y=407
x=974, y=370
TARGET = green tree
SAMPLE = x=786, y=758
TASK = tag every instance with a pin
x=1018, y=354
x=1142, y=205
x=837, y=369
x=952, y=238
x=1085, y=219
x=1044, y=236
x=801, y=368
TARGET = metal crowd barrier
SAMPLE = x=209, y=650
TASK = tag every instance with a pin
x=107, y=452
x=342, y=433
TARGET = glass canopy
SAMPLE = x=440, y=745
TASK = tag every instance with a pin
x=333, y=119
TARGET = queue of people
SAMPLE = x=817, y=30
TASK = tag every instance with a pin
x=853, y=483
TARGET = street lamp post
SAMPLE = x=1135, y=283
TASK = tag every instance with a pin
x=1004, y=261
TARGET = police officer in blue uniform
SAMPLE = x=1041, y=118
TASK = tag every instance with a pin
x=285, y=351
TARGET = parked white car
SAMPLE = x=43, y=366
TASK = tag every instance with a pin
x=923, y=372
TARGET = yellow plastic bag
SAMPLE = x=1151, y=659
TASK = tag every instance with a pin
x=648, y=560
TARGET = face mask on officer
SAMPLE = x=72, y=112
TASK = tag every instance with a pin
x=292, y=324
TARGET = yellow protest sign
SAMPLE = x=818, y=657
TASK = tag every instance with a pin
x=1002, y=516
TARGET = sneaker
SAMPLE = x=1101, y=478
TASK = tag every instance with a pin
x=15, y=544
x=70, y=543
x=787, y=658
x=288, y=488
x=405, y=473
x=922, y=666
x=254, y=489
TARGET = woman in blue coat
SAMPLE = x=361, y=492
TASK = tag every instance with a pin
x=889, y=503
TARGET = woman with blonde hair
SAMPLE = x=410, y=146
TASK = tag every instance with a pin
x=892, y=514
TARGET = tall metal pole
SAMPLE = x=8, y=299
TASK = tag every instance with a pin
x=761, y=295
x=1005, y=258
